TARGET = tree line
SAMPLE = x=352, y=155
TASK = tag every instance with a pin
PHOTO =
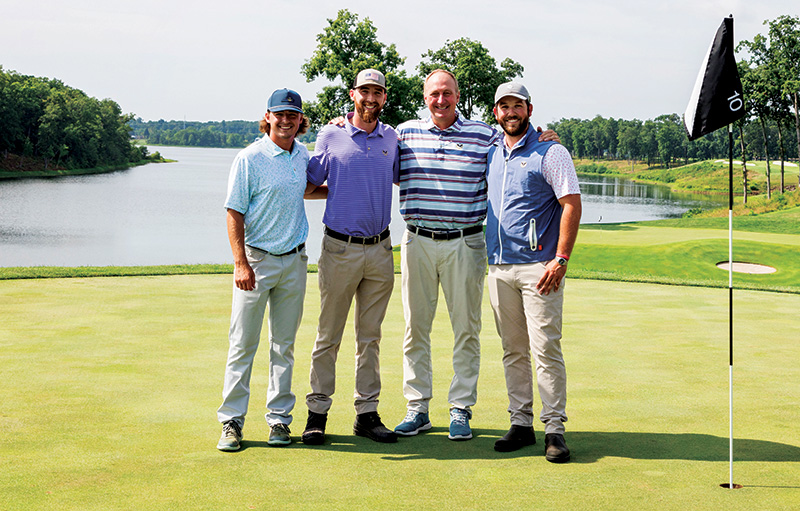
x=771, y=87
x=661, y=141
x=44, y=119
x=200, y=134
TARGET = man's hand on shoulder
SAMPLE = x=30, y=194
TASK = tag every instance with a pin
x=548, y=136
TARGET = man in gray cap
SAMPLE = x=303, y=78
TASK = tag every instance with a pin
x=531, y=226
x=359, y=161
x=267, y=230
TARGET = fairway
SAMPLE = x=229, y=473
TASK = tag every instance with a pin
x=111, y=385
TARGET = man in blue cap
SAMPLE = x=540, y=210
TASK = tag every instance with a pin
x=531, y=225
x=267, y=230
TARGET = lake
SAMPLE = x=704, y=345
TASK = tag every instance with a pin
x=172, y=213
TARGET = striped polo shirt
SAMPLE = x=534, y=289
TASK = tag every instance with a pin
x=443, y=172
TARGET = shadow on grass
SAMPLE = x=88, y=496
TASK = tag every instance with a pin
x=586, y=447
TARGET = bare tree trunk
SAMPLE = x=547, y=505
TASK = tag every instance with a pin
x=766, y=154
x=744, y=165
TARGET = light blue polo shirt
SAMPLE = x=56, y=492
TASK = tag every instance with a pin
x=266, y=184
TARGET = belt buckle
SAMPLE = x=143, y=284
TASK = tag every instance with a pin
x=375, y=239
x=435, y=235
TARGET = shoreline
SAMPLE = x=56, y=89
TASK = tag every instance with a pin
x=23, y=174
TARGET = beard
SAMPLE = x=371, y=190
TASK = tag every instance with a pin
x=521, y=128
x=368, y=116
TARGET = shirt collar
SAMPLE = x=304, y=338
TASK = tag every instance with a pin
x=352, y=130
x=456, y=126
x=273, y=148
x=520, y=143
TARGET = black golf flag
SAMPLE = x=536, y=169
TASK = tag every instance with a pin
x=717, y=96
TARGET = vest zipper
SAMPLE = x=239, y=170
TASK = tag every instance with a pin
x=502, y=203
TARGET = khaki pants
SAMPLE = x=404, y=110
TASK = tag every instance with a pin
x=348, y=270
x=529, y=322
x=459, y=265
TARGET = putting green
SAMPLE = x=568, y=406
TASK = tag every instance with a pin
x=110, y=387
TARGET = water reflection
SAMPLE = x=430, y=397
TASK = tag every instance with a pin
x=173, y=214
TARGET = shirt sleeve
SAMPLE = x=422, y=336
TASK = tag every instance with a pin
x=559, y=171
x=238, y=198
x=317, y=171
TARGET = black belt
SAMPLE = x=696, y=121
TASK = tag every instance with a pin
x=295, y=250
x=444, y=235
x=368, y=240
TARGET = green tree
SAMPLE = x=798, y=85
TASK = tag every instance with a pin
x=669, y=137
x=629, y=139
x=476, y=71
x=784, y=34
x=345, y=47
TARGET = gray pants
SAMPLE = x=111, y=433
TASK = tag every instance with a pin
x=281, y=282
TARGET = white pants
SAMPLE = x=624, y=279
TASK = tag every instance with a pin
x=529, y=322
x=281, y=282
x=459, y=265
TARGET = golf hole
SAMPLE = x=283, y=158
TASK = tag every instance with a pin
x=751, y=268
x=735, y=486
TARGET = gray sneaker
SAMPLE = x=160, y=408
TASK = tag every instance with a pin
x=279, y=435
x=231, y=439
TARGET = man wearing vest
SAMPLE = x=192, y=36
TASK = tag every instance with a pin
x=359, y=161
x=267, y=230
x=443, y=201
x=532, y=223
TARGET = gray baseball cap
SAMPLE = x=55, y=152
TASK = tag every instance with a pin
x=370, y=76
x=514, y=89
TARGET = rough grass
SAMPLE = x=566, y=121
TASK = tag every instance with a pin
x=110, y=387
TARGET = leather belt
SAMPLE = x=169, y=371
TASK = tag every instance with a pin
x=444, y=235
x=295, y=250
x=359, y=240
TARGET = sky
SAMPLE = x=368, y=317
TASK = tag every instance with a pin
x=211, y=60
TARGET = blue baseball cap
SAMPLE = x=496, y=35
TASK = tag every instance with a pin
x=285, y=99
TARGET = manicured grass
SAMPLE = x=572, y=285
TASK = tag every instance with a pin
x=669, y=255
x=110, y=387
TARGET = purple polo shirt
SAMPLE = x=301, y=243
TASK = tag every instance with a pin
x=360, y=169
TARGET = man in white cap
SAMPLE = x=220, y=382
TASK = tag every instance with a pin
x=531, y=226
x=267, y=230
x=358, y=160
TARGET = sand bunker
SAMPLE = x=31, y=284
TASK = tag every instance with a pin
x=751, y=268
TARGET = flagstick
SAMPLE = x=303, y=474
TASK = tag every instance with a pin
x=730, y=297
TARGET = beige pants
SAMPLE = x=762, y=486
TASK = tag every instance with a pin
x=529, y=322
x=348, y=270
x=459, y=265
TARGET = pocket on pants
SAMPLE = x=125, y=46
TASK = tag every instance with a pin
x=333, y=246
x=254, y=255
x=475, y=241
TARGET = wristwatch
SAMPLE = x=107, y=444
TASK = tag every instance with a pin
x=562, y=259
